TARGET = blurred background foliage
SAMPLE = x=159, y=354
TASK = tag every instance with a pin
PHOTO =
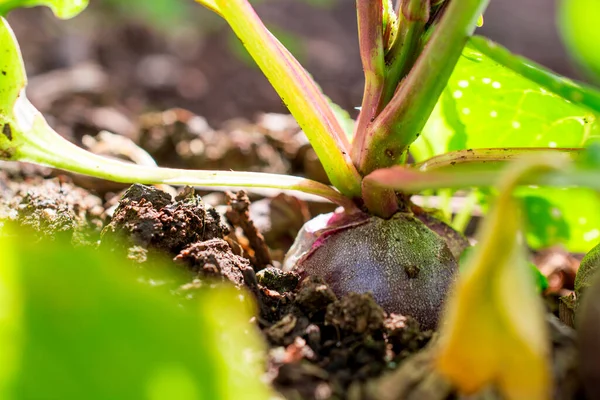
x=78, y=326
x=578, y=20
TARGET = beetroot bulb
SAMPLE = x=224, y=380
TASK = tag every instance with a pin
x=402, y=261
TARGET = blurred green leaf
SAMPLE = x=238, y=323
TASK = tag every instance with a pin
x=578, y=22
x=488, y=105
x=567, y=216
x=94, y=328
x=161, y=14
x=64, y=9
x=11, y=315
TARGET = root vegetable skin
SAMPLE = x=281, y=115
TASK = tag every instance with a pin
x=405, y=265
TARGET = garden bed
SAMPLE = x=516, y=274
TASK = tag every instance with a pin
x=319, y=346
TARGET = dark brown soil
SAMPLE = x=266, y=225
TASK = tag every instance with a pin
x=320, y=346
x=150, y=218
x=51, y=207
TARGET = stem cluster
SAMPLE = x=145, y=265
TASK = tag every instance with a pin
x=408, y=54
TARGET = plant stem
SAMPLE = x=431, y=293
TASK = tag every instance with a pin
x=298, y=91
x=399, y=59
x=412, y=181
x=370, y=40
x=407, y=46
x=490, y=157
x=42, y=145
x=403, y=118
x=380, y=201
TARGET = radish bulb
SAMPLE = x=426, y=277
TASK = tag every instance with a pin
x=405, y=265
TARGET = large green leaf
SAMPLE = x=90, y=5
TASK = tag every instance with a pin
x=489, y=105
x=61, y=8
x=578, y=20
x=92, y=327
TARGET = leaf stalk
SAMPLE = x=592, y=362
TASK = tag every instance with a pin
x=403, y=118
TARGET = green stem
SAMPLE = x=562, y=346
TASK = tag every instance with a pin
x=298, y=91
x=380, y=201
x=42, y=145
x=370, y=40
x=445, y=197
x=400, y=122
x=407, y=46
x=490, y=157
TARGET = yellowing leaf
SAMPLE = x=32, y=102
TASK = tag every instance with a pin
x=494, y=331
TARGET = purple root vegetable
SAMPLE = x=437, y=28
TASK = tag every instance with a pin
x=405, y=265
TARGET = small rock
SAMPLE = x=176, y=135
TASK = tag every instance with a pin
x=276, y=279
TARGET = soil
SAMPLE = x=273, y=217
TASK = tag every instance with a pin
x=320, y=346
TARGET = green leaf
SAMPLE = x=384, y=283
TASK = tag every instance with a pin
x=578, y=22
x=489, y=105
x=64, y=9
x=557, y=215
x=577, y=92
x=161, y=14
x=94, y=327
